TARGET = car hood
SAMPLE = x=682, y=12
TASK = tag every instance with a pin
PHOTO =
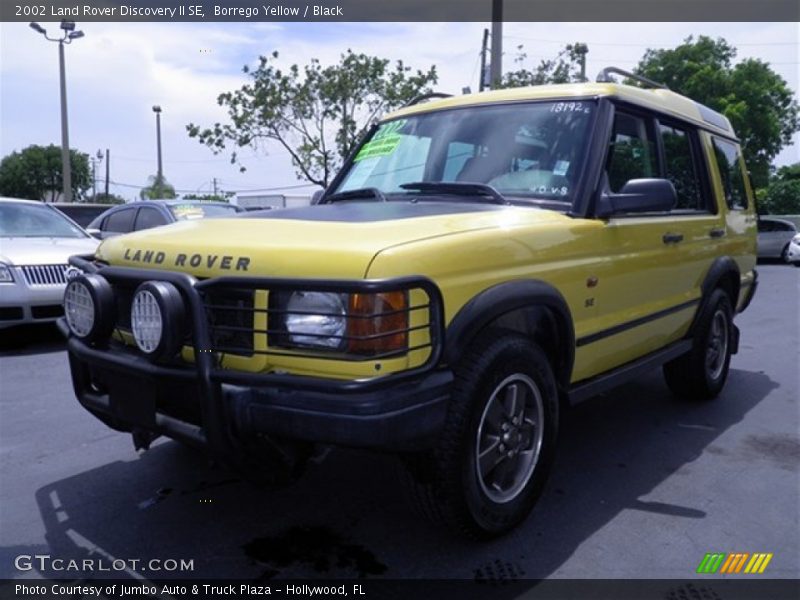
x=44, y=250
x=328, y=241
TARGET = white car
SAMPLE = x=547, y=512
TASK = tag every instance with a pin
x=36, y=241
x=793, y=251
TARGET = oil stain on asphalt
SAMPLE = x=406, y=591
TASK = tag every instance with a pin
x=316, y=547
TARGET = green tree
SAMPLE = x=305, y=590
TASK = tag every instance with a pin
x=102, y=198
x=782, y=196
x=35, y=173
x=564, y=68
x=219, y=197
x=316, y=113
x=157, y=188
x=758, y=102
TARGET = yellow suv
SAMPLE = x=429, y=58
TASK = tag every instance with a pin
x=479, y=264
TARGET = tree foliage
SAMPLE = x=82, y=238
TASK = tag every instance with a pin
x=316, y=113
x=219, y=197
x=35, y=173
x=103, y=198
x=758, y=102
x=158, y=188
x=564, y=68
x=782, y=196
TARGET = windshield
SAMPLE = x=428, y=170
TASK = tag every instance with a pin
x=35, y=220
x=525, y=151
x=200, y=210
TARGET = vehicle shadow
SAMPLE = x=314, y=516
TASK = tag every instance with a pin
x=347, y=517
x=25, y=340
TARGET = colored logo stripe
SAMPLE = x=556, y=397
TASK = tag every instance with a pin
x=758, y=563
x=710, y=563
x=734, y=563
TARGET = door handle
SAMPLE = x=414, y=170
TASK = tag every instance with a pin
x=672, y=238
x=717, y=232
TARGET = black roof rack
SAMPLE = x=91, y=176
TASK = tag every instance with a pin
x=603, y=77
x=424, y=97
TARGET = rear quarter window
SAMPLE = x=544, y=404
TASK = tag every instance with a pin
x=731, y=173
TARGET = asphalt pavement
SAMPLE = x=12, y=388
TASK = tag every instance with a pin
x=644, y=485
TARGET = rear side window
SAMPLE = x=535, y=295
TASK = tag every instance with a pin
x=149, y=217
x=120, y=221
x=679, y=167
x=731, y=172
x=632, y=154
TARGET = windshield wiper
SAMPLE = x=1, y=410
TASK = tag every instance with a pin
x=369, y=192
x=481, y=190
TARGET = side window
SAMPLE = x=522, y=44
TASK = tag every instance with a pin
x=731, y=172
x=679, y=166
x=120, y=221
x=149, y=217
x=632, y=152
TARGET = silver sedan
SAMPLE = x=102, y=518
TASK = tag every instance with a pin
x=36, y=241
x=774, y=236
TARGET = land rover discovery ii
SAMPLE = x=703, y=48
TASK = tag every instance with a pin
x=479, y=264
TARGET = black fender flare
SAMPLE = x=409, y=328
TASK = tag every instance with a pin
x=724, y=273
x=502, y=299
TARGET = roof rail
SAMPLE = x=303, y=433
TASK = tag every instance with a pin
x=603, y=77
x=424, y=97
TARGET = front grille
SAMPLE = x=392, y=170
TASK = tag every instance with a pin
x=36, y=275
x=230, y=319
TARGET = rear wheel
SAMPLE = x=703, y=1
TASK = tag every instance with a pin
x=701, y=373
x=494, y=455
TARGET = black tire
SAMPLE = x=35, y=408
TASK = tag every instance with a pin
x=445, y=483
x=701, y=373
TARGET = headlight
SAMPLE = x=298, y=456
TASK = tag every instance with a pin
x=89, y=307
x=796, y=239
x=363, y=324
x=6, y=276
x=313, y=318
x=157, y=319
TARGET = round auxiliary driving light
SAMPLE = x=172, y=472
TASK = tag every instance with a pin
x=157, y=319
x=89, y=307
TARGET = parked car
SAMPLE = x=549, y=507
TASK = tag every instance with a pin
x=35, y=242
x=793, y=252
x=774, y=238
x=147, y=214
x=81, y=213
x=478, y=265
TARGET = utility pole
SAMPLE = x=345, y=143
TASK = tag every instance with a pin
x=582, y=50
x=497, y=43
x=484, y=50
x=95, y=159
x=215, y=187
x=69, y=34
x=108, y=168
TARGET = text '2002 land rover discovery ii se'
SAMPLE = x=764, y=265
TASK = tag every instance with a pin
x=479, y=264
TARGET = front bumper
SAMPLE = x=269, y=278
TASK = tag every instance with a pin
x=22, y=304
x=129, y=393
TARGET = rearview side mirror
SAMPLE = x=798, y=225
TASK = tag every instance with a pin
x=639, y=196
x=95, y=233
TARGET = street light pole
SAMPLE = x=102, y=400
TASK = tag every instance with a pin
x=157, y=110
x=69, y=34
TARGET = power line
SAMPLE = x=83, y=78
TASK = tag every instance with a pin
x=648, y=45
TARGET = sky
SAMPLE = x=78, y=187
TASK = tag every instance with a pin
x=118, y=71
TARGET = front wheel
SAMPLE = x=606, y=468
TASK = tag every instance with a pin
x=701, y=373
x=493, y=457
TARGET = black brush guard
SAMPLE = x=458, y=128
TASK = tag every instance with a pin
x=402, y=410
